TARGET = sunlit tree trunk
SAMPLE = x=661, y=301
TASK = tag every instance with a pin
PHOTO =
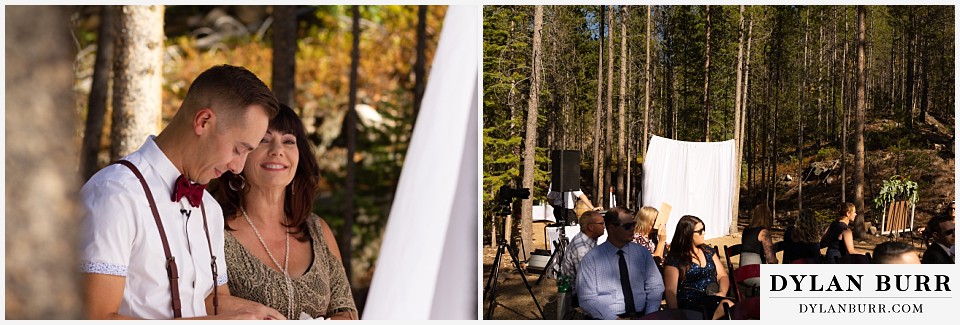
x=859, y=155
x=137, y=78
x=621, y=138
x=530, y=139
x=597, y=159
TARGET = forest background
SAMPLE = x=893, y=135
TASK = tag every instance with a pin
x=827, y=104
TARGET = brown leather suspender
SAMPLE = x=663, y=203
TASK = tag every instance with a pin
x=171, y=263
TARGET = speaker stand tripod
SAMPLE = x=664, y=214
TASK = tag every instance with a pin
x=492, y=283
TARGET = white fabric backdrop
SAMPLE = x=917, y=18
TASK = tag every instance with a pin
x=433, y=222
x=695, y=178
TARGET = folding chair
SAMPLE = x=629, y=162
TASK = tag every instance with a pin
x=743, y=273
x=728, y=252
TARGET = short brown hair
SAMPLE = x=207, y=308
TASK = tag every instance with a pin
x=228, y=90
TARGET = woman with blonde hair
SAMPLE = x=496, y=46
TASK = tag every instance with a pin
x=647, y=236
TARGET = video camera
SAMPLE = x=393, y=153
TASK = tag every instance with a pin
x=505, y=196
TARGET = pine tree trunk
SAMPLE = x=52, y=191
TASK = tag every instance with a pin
x=346, y=233
x=621, y=146
x=138, y=69
x=706, y=84
x=858, y=177
x=285, y=54
x=97, y=102
x=608, y=132
x=42, y=280
x=737, y=130
x=846, y=115
x=646, y=105
x=911, y=53
x=597, y=160
x=530, y=139
x=743, y=107
x=420, y=67
x=802, y=97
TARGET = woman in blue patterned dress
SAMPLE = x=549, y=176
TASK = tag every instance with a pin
x=691, y=277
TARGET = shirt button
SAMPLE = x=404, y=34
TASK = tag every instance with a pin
x=194, y=284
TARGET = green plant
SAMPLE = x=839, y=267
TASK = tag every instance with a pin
x=897, y=187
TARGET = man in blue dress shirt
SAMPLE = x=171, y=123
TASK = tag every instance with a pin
x=619, y=275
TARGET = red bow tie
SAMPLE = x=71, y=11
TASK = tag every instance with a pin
x=185, y=188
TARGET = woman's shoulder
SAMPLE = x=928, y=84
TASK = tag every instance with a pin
x=707, y=249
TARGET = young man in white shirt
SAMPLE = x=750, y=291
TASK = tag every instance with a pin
x=124, y=260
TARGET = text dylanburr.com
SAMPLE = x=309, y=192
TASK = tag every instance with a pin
x=854, y=291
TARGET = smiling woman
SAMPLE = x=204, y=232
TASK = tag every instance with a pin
x=303, y=277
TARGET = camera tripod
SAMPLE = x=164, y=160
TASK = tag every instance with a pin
x=495, y=272
x=560, y=248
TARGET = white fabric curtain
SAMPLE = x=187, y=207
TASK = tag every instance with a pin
x=695, y=178
x=427, y=267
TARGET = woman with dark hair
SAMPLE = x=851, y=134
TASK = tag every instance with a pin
x=839, y=237
x=691, y=277
x=278, y=252
x=756, y=240
x=801, y=239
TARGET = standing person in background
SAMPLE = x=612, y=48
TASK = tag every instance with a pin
x=613, y=199
x=278, y=252
x=563, y=205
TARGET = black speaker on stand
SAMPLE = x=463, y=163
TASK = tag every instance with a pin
x=565, y=170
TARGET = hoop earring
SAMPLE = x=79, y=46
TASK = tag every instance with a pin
x=233, y=183
x=292, y=189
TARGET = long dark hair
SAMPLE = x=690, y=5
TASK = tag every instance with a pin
x=806, y=229
x=298, y=201
x=681, y=247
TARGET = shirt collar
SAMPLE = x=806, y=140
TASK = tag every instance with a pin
x=165, y=168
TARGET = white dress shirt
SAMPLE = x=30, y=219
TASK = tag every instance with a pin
x=120, y=237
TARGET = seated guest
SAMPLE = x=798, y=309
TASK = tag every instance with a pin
x=756, y=240
x=647, y=236
x=801, y=240
x=941, y=230
x=757, y=245
x=691, y=276
x=619, y=279
x=278, y=252
x=839, y=237
x=894, y=252
x=591, y=228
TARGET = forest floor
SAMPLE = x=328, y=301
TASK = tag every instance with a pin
x=931, y=165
